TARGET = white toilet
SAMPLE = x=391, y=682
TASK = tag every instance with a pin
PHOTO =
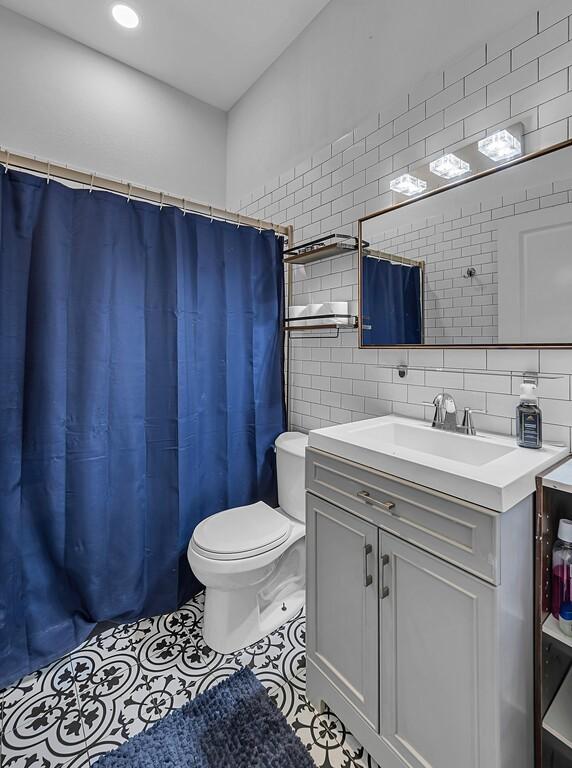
x=252, y=559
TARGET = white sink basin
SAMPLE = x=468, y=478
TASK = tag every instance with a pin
x=489, y=470
x=447, y=445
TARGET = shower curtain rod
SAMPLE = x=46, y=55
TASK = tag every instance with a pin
x=132, y=191
x=393, y=257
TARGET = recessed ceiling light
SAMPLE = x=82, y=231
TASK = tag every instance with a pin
x=449, y=167
x=125, y=16
x=408, y=185
x=500, y=146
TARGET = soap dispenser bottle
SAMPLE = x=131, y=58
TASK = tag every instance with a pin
x=528, y=418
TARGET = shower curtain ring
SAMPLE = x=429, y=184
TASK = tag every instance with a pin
x=184, y=207
x=49, y=170
x=91, y=183
x=161, y=203
x=129, y=188
x=211, y=212
x=7, y=162
x=260, y=225
x=238, y=221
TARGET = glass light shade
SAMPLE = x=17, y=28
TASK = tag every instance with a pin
x=125, y=16
x=500, y=146
x=449, y=167
x=408, y=185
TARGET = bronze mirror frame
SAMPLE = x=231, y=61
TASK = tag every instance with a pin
x=432, y=193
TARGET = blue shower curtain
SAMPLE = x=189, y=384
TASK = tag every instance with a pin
x=141, y=390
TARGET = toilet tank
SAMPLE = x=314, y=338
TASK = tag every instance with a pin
x=290, y=460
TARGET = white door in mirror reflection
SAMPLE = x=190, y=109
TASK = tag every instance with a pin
x=535, y=277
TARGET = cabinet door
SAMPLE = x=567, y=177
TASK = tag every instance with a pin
x=342, y=603
x=438, y=656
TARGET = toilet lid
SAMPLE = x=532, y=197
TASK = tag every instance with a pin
x=241, y=532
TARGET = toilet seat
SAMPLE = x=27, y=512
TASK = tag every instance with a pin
x=241, y=532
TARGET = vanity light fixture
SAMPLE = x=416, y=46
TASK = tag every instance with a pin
x=125, y=16
x=449, y=167
x=500, y=146
x=408, y=185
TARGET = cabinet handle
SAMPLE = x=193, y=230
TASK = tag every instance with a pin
x=384, y=591
x=387, y=506
x=367, y=577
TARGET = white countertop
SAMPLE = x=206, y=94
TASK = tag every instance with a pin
x=498, y=483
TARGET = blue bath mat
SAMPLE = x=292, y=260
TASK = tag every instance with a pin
x=233, y=725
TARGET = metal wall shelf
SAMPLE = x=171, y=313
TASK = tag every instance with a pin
x=325, y=247
x=295, y=323
x=305, y=318
x=350, y=322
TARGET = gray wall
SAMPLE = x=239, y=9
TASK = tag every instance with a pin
x=63, y=102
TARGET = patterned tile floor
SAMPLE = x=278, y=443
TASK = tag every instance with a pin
x=131, y=675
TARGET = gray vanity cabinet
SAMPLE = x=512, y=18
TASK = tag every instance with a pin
x=343, y=631
x=419, y=619
x=437, y=660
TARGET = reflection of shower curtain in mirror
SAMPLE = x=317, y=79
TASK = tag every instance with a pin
x=392, y=303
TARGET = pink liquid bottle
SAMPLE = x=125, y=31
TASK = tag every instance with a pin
x=562, y=567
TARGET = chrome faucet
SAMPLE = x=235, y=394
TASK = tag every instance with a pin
x=445, y=416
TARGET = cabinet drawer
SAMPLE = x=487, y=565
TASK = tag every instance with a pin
x=458, y=531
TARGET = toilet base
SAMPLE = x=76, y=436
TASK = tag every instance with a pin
x=229, y=627
x=236, y=618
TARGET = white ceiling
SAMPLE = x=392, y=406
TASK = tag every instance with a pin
x=212, y=49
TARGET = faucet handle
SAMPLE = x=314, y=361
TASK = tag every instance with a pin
x=468, y=426
x=438, y=415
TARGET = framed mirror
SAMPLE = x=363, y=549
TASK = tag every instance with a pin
x=484, y=261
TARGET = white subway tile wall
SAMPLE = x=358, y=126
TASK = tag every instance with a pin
x=523, y=75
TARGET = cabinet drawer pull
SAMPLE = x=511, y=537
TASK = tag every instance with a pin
x=367, y=577
x=387, y=506
x=384, y=591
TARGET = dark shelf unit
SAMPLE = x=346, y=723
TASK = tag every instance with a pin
x=553, y=649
